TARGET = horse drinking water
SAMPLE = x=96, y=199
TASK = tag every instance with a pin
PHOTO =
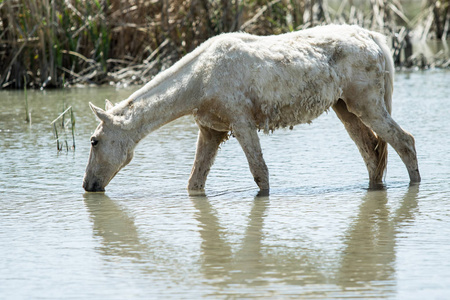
x=240, y=83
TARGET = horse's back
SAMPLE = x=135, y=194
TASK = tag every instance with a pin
x=290, y=78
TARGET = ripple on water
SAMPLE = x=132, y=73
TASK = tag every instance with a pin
x=320, y=234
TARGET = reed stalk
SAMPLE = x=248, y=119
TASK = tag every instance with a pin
x=63, y=126
x=99, y=41
x=27, y=113
x=72, y=127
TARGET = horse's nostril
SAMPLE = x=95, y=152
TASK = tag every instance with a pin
x=98, y=188
x=94, y=187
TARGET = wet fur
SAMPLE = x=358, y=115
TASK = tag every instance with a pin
x=241, y=83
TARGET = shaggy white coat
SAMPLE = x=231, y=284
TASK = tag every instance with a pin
x=240, y=83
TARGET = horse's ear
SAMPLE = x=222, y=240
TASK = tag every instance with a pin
x=100, y=113
x=108, y=104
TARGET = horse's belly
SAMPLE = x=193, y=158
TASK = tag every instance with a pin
x=279, y=115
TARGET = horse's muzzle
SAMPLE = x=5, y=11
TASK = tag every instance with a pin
x=93, y=187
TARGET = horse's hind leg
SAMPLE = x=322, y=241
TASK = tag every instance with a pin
x=208, y=143
x=365, y=140
x=380, y=121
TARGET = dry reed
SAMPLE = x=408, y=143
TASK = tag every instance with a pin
x=63, y=127
x=47, y=43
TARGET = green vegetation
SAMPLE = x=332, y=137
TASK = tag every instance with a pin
x=63, y=125
x=27, y=111
x=49, y=43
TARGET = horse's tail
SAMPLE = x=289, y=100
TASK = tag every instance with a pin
x=381, y=147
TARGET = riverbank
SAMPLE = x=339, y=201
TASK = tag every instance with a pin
x=47, y=43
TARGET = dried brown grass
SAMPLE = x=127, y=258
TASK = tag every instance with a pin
x=51, y=43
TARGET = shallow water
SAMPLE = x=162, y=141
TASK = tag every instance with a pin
x=320, y=234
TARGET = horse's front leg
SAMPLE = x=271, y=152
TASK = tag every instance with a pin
x=208, y=143
x=247, y=136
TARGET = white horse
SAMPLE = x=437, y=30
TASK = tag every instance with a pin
x=240, y=83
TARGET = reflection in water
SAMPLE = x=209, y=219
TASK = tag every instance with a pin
x=318, y=233
x=216, y=253
x=116, y=229
x=367, y=262
x=369, y=254
x=122, y=245
x=253, y=264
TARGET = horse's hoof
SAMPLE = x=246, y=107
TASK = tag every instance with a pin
x=196, y=193
x=263, y=193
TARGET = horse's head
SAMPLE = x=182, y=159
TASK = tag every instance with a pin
x=112, y=148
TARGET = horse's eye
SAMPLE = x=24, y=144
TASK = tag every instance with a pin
x=94, y=142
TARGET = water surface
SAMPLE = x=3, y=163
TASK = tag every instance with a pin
x=320, y=234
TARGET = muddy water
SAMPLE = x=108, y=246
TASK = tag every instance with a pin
x=320, y=234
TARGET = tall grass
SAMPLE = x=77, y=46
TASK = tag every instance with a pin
x=27, y=110
x=45, y=43
x=60, y=127
x=45, y=39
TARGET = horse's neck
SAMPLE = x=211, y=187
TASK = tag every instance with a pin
x=157, y=104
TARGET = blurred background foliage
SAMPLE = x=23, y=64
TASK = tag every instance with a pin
x=56, y=43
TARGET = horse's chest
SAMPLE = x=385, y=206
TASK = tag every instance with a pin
x=211, y=119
